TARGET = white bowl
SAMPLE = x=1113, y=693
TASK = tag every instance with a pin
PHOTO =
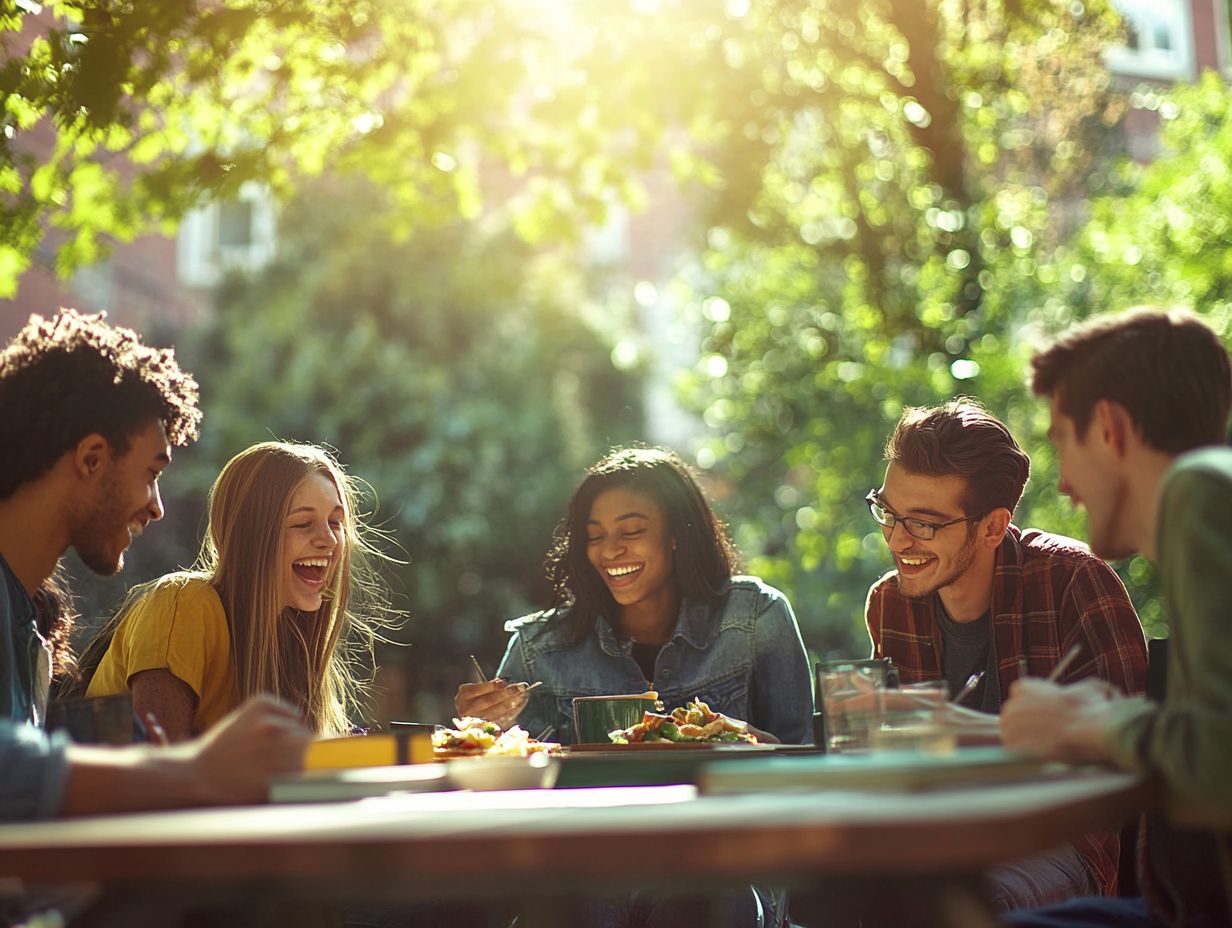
x=538, y=771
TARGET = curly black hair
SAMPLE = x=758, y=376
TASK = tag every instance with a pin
x=69, y=376
x=705, y=558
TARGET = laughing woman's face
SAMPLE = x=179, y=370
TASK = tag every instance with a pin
x=313, y=540
x=629, y=544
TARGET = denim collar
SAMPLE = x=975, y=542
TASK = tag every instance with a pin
x=694, y=625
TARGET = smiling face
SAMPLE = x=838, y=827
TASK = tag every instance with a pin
x=1089, y=476
x=123, y=499
x=924, y=567
x=313, y=540
x=629, y=544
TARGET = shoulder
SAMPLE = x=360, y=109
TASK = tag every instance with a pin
x=545, y=628
x=754, y=595
x=1037, y=544
x=1058, y=556
x=13, y=596
x=884, y=589
x=1205, y=472
x=1067, y=565
x=177, y=593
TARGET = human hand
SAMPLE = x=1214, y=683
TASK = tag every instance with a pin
x=763, y=737
x=494, y=700
x=234, y=761
x=1067, y=723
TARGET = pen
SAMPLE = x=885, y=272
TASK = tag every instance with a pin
x=969, y=687
x=1064, y=662
x=153, y=728
x=482, y=677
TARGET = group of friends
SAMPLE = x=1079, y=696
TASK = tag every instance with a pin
x=241, y=660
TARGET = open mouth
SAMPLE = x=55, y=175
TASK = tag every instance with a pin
x=311, y=570
x=625, y=573
x=913, y=565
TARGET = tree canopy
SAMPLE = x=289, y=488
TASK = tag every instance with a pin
x=892, y=201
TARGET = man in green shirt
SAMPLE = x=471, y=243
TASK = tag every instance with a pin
x=1139, y=402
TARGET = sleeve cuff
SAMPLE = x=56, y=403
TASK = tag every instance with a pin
x=34, y=773
x=1130, y=723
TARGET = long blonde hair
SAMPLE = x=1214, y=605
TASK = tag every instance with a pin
x=316, y=661
x=313, y=660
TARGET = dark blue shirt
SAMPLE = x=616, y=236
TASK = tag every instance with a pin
x=32, y=767
x=20, y=647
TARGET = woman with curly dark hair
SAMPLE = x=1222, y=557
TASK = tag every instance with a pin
x=645, y=597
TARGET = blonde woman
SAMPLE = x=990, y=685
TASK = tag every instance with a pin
x=282, y=600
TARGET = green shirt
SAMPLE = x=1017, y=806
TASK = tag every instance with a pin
x=1187, y=741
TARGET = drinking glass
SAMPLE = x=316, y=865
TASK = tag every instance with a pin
x=850, y=705
x=914, y=718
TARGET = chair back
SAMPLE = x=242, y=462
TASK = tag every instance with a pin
x=1157, y=668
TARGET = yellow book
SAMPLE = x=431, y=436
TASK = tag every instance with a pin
x=368, y=751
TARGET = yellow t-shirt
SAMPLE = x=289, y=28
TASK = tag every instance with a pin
x=179, y=626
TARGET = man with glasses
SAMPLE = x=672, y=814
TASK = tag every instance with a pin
x=973, y=596
x=1140, y=405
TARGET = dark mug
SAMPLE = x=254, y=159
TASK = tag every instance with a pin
x=403, y=732
x=94, y=720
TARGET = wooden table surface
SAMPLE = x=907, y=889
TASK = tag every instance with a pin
x=613, y=832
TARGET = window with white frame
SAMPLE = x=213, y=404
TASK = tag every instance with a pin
x=1159, y=40
x=233, y=235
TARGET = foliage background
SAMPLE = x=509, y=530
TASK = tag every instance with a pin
x=892, y=203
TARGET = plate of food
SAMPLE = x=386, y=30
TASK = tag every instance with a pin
x=694, y=726
x=473, y=737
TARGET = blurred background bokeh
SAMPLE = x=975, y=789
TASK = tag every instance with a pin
x=473, y=246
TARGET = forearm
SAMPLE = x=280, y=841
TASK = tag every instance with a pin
x=112, y=780
x=1188, y=747
x=159, y=695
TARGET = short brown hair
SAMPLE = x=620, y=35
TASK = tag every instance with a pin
x=962, y=439
x=1167, y=367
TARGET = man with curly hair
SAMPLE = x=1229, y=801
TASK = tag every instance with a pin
x=88, y=418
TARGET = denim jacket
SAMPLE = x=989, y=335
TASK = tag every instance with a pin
x=743, y=656
x=32, y=766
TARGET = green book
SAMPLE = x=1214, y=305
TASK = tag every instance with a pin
x=889, y=770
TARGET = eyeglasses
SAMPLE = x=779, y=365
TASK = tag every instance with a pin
x=916, y=528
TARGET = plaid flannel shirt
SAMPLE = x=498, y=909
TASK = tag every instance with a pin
x=1048, y=593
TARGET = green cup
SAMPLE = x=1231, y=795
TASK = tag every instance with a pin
x=595, y=716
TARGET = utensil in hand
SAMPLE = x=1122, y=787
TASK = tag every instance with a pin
x=969, y=687
x=1063, y=663
x=480, y=676
x=158, y=733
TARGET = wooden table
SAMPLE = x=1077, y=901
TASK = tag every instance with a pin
x=624, y=836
